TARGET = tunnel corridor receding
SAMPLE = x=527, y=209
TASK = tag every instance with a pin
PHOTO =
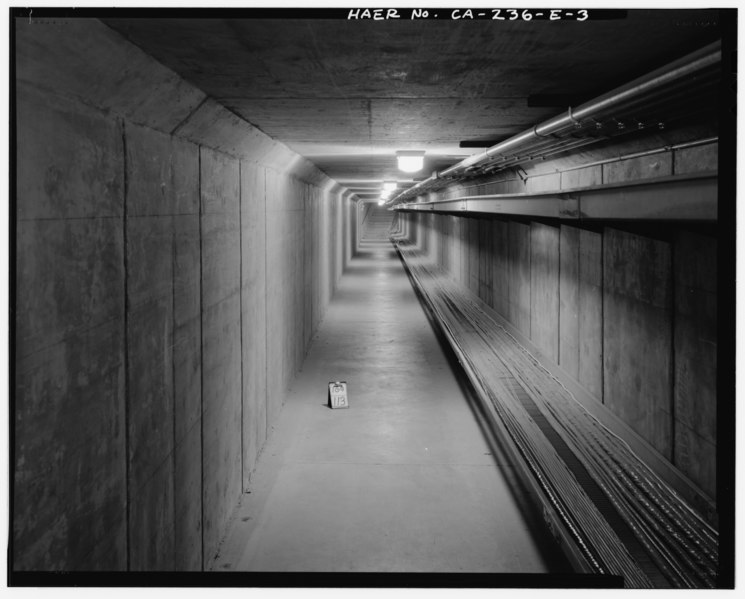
x=406, y=479
x=538, y=344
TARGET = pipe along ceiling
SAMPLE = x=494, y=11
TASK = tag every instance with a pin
x=665, y=95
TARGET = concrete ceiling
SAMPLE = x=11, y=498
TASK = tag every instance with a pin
x=348, y=94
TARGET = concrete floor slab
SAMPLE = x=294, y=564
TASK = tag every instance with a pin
x=405, y=479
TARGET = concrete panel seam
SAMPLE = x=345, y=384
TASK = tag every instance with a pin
x=201, y=364
x=672, y=350
x=602, y=316
x=126, y=343
x=561, y=275
x=174, y=267
x=266, y=303
x=579, y=303
x=188, y=116
x=240, y=313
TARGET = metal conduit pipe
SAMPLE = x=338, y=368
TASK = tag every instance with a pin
x=658, y=150
x=680, y=69
x=650, y=83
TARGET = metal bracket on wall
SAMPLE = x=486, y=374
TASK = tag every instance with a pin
x=520, y=171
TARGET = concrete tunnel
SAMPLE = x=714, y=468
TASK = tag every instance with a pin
x=535, y=321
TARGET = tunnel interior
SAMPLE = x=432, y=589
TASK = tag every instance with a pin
x=208, y=225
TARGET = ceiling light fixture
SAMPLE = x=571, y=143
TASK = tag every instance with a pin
x=410, y=161
x=381, y=202
x=389, y=186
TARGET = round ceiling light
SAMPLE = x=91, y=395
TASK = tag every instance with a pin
x=410, y=161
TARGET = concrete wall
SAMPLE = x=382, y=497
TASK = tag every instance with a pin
x=70, y=338
x=637, y=334
x=171, y=270
x=629, y=316
x=221, y=341
x=695, y=357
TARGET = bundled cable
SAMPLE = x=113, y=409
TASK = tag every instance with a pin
x=658, y=540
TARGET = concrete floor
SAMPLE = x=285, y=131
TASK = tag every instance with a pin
x=405, y=480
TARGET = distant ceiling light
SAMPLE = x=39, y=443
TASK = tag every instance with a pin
x=410, y=161
x=386, y=193
x=381, y=202
x=389, y=186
